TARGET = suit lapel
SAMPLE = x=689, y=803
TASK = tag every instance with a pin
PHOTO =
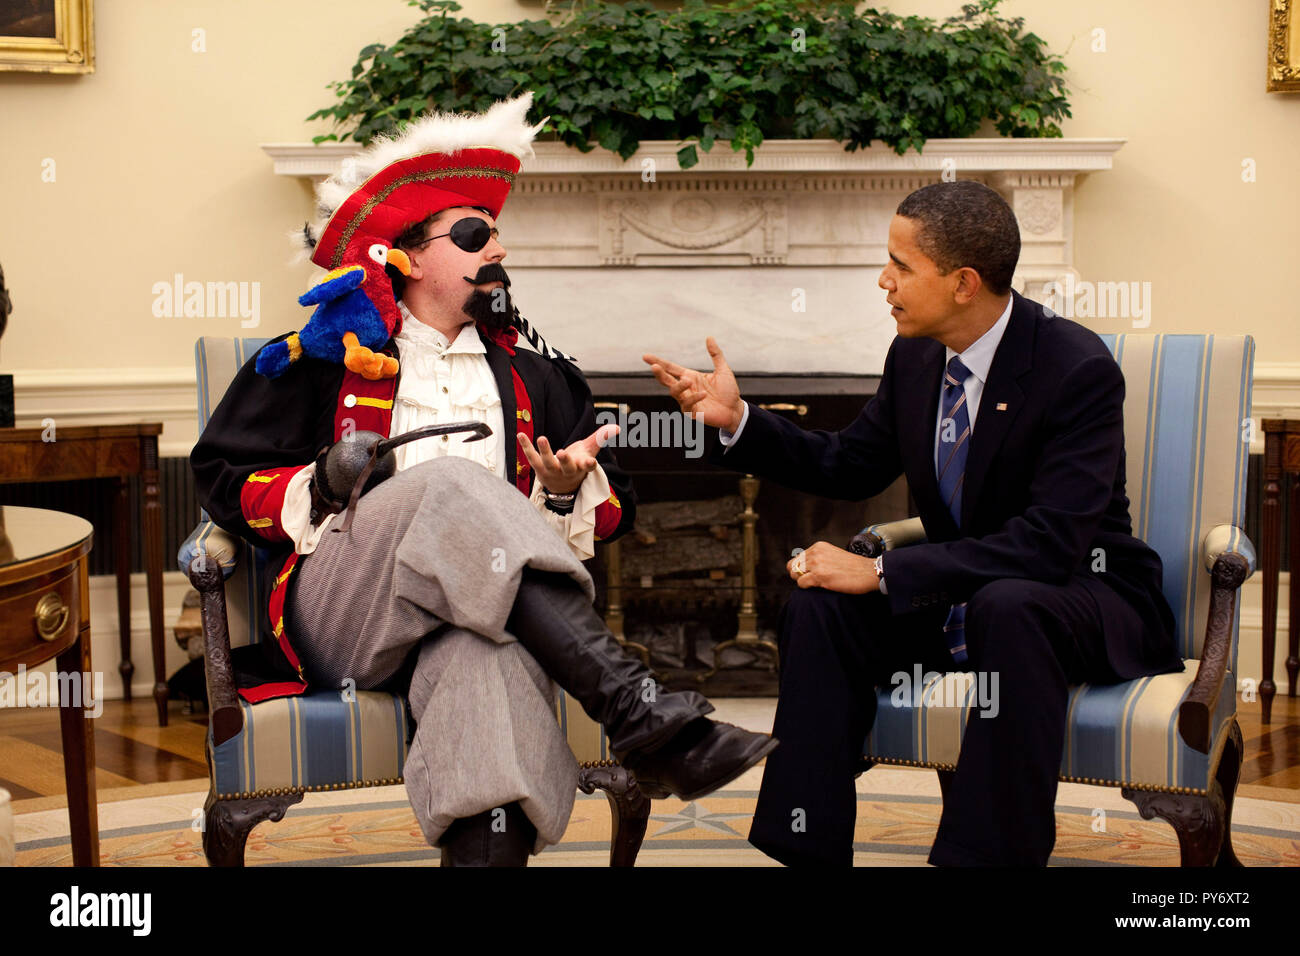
x=921, y=390
x=1001, y=400
x=499, y=362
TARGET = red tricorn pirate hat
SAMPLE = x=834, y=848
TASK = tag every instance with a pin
x=437, y=162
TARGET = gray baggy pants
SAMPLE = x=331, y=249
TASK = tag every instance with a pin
x=431, y=566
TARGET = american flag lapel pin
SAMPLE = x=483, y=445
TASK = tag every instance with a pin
x=1002, y=406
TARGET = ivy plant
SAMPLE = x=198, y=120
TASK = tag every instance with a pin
x=612, y=74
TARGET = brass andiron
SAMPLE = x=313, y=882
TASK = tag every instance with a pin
x=614, y=600
x=747, y=633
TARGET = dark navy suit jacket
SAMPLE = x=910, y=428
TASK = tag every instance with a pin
x=1044, y=484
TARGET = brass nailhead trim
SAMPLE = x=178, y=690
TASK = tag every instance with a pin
x=316, y=788
x=1091, y=781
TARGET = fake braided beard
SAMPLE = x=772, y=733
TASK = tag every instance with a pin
x=492, y=309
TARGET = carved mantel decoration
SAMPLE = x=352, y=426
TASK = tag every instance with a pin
x=806, y=224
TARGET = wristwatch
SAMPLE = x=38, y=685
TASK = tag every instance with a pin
x=880, y=568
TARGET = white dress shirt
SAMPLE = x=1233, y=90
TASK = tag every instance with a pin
x=446, y=381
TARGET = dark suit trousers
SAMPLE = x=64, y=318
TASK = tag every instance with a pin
x=837, y=648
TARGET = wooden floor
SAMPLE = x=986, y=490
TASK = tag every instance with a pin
x=131, y=749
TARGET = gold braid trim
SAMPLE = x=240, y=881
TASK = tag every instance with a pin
x=480, y=172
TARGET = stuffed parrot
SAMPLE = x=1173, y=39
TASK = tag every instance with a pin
x=356, y=312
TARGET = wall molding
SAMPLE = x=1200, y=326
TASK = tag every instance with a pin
x=103, y=396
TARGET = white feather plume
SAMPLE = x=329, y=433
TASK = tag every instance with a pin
x=504, y=127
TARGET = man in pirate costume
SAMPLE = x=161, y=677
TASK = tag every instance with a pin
x=459, y=579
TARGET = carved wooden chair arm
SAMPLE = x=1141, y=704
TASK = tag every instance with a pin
x=227, y=719
x=1230, y=558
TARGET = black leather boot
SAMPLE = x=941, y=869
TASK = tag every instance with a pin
x=489, y=839
x=555, y=622
x=661, y=736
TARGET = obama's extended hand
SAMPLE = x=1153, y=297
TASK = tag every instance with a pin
x=715, y=397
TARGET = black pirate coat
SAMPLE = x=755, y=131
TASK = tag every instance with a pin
x=266, y=430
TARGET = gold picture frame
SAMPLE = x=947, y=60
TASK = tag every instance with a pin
x=1284, y=46
x=47, y=36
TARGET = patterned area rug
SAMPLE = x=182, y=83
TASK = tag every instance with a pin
x=898, y=813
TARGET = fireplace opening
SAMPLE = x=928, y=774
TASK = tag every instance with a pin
x=684, y=581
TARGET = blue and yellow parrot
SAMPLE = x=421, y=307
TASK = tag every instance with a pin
x=356, y=313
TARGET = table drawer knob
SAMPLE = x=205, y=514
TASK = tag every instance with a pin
x=51, y=616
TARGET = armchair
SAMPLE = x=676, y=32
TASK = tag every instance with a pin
x=1171, y=742
x=263, y=757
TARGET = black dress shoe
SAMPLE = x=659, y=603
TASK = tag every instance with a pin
x=706, y=755
x=483, y=841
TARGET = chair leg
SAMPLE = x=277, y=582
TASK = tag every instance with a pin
x=945, y=782
x=629, y=809
x=1199, y=821
x=227, y=824
x=1228, y=774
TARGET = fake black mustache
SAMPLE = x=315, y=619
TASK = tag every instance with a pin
x=492, y=272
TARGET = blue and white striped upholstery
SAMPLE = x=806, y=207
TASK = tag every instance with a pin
x=1186, y=413
x=316, y=741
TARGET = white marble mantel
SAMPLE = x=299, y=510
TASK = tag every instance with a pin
x=612, y=258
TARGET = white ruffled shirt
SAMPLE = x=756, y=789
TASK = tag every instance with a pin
x=444, y=382
x=450, y=381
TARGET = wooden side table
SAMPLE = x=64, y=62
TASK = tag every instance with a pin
x=1281, y=458
x=45, y=613
x=106, y=451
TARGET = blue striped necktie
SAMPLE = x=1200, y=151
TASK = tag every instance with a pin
x=950, y=466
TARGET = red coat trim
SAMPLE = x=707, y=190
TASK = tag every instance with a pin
x=608, y=515
x=275, y=609
x=262, y=500
x=366, y=404
x=255, y=695
x=523, y=423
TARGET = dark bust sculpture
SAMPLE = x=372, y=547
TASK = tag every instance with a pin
x=6, y=381
x=5, y=305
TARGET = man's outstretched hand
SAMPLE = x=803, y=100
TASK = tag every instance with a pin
x=565, y=470
x=714, y=397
